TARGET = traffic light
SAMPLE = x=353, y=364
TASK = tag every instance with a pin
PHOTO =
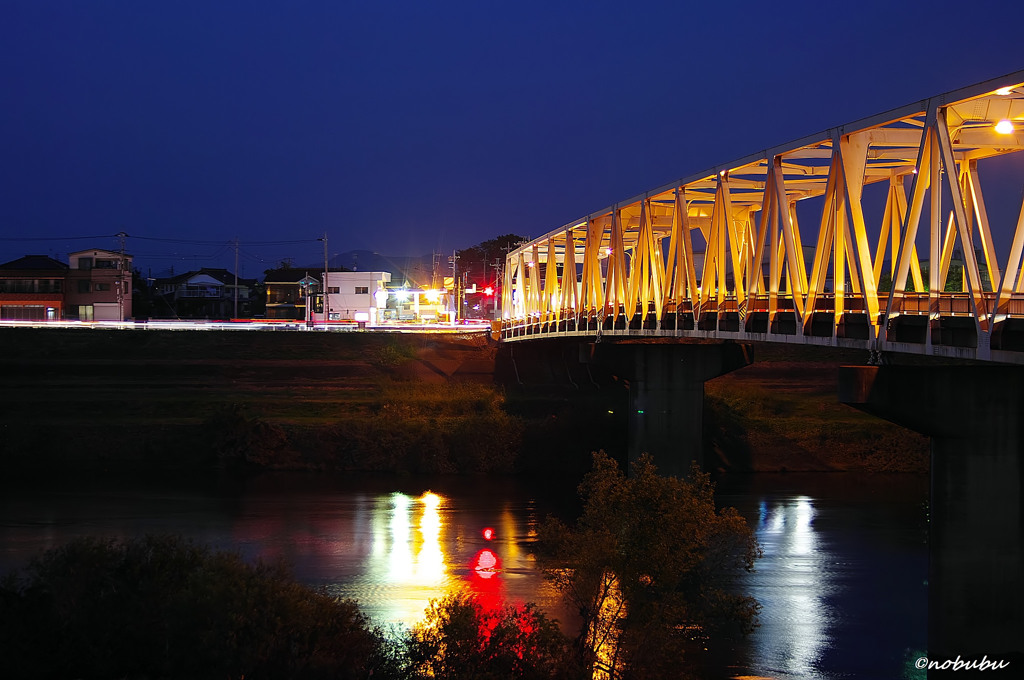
x=488, y=291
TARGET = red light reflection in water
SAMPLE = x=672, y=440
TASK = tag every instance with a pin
x=485, y=580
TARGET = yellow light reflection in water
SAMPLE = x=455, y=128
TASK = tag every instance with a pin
x=430, y=564
x=606, y=632
x=508, y=533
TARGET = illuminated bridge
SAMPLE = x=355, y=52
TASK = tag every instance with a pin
x=874, y=234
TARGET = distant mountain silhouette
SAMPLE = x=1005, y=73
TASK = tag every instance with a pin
x=417, y=270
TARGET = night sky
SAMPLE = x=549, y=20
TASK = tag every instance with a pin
x=404, y=127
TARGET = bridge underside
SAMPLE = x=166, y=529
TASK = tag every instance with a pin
x=638, y=397
x=905, y=257
x=975, y=418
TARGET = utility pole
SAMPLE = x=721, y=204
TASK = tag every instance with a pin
x=120, y=279
x=435, y=258
x=236, y=277
x=455, y=284
x=323, y=286
x=498, y=284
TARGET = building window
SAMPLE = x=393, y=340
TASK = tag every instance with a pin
x=362, y=290
x=85, y=263
x=23, y=312
x=334, y=289
x=18, y=286
x=102, y=286
x=83, y=286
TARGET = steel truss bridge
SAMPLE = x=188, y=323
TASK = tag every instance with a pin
x=901, y=256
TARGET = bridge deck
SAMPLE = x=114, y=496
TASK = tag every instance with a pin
x=904, y=255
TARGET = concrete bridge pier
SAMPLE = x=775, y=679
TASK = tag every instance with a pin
x=666, y=395
x=975, y=418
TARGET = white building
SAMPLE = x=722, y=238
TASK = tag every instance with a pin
x=354, y=296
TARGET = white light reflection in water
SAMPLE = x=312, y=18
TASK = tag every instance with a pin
x=791, y=582
x=407, y=553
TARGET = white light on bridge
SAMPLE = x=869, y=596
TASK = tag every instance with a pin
x=1004, y=127
x=1004, y=91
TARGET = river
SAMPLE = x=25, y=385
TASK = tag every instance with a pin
x=842, y=581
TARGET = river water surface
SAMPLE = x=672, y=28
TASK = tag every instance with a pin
x=842, y=581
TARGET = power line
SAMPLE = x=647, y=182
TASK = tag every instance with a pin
x=229, y=242
x=226, y=242
x=57, y=238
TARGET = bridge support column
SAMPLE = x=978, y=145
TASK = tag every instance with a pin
x=666, y=395
x=975, y=418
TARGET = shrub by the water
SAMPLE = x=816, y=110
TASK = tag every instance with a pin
x=462, y=637
x=161, y=607
x=651, y=564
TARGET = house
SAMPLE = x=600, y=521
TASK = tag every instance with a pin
x=354, y=296
x=32, y=288
x=287, y=291
x=208, y=293
x=98, y=286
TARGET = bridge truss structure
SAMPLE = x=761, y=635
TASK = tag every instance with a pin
x=901, y=257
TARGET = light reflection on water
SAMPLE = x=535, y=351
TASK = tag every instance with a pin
x=841, y=582
x=407, y=554
x=423, y=547
x=392, y=551
x=791, y=583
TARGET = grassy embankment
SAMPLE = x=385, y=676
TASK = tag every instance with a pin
x=96, y=400
x=781, y=413
x=103, y=399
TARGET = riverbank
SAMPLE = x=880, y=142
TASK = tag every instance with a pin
x=782, y=414
x=97, y=400
x=89, y=400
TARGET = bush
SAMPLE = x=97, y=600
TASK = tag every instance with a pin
x=650, y=564
x=238, y=438
x=161, y=607
x=462, y=639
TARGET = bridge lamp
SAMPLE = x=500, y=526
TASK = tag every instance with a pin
x=1004, y=127
x=402, y=295
x=1003, y=91
x=432, y=296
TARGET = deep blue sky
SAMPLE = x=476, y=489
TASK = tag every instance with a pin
x=405, y=127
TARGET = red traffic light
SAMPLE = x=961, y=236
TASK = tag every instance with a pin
x=488, y=291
